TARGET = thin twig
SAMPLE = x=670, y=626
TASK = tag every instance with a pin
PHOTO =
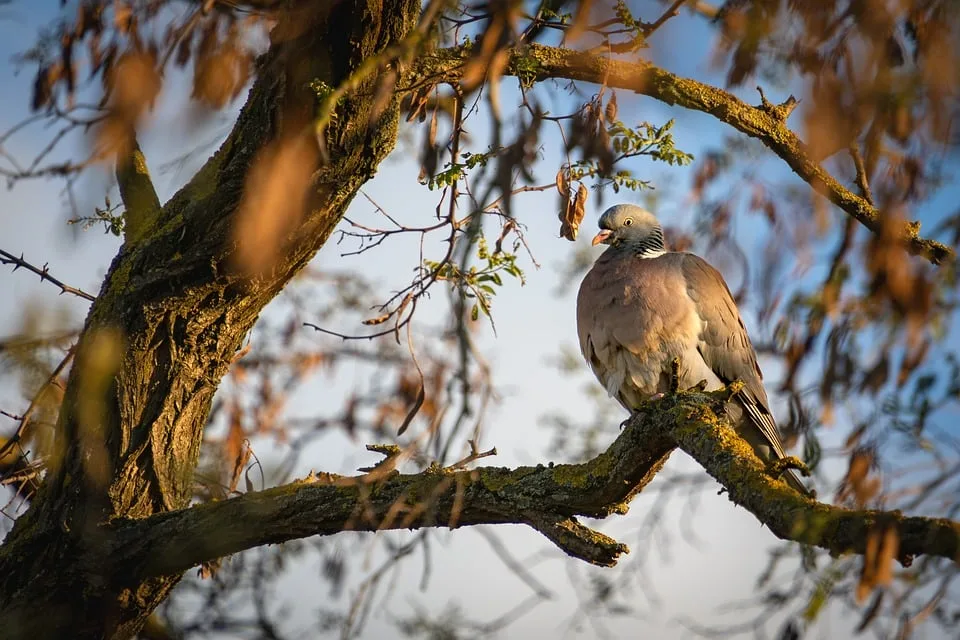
x=861, y=178
x=474, y=455
x=25, y=418
x=44, y=273
x=674, y=10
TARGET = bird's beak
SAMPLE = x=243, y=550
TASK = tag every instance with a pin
x=601, y=238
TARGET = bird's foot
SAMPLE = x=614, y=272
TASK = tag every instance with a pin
x=776, y=468
x=699, y=387
x=674, y=376
x=623, y=425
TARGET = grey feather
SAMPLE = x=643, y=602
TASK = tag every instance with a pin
x=640, y=307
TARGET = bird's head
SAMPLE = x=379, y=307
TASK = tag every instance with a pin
x=628, y=224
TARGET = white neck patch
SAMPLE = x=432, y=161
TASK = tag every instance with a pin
x=652, y=254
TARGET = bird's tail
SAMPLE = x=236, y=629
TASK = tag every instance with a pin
x=792, y=479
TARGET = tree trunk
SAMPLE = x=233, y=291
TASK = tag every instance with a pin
x=170, y=316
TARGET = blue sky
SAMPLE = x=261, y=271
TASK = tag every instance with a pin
x=691, y=580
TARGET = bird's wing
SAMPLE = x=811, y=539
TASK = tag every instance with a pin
x=596, y=324
x=725, y=345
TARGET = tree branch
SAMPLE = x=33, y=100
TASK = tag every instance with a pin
x=766, y=122
x=44, y=273
x=138, y=193
x=546, y=498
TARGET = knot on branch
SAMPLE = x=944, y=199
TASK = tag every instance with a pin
x=778, y=467
x=576, y=540
x=391, y=453
x=780, y=112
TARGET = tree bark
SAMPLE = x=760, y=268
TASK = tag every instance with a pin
x=171, y=314
x=109, y=534
x=766, y=122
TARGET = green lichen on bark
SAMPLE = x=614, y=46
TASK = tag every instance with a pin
x=541, y=61
x=141, y=204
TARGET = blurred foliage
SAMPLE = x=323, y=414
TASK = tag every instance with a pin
x=858, y=340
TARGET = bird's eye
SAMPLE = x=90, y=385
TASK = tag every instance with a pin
x=628, y=222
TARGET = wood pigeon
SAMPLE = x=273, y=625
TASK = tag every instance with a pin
x=641, y=306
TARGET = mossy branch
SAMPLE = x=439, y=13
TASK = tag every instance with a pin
x=766, y=122
x=546, y=498
x=141, y=204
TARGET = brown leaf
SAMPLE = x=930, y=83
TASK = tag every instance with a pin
x=220, y=70
x=563, y=187
x=858, y=484
x=883, y=545
x=386, y=88
x=122, y=16
x=378, y=320
x=432, y=130
x=134, y=84
x=273, y=203
x=572, y=215
x=581, y=20
x=42, y=89
x=611, y=111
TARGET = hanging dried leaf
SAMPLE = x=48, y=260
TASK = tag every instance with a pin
x=432, y=130
x=378, y=320
x=573, y=213
x=858, y=483
x=611, y=111
x=563, y=187
x=883, y=544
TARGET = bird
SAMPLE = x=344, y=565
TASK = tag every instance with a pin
x=641, y=306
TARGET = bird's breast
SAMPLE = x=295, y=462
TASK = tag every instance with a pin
x=637, y=322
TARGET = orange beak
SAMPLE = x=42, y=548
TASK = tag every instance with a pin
x=601, y=237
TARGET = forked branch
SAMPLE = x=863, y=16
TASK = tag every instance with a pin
x=766, y=122
x=546, y=498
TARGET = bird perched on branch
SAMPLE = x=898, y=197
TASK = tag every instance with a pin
x=641, y=306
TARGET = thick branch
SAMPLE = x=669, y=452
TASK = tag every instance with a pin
x=543, y=497
x=137, y=191
x=766, y=122
x=547, y=498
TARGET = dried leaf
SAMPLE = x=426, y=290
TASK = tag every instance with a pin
x=386, y=88
x=882, y=547
x=858, y=483
x=432, y=130
x=611, y=111
x=134, y=84
x=273, y=203
x=122, y=16
x=581, y=20
x=572, y=214
x=378, y=320
x=563, y=187
x=221, y=70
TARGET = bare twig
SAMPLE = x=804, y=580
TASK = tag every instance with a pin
x=14, y=440
x=861, y=179
x=474, y=455
x=44, y=273
x=674, y=10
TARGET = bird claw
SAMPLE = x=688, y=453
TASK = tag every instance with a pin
x=674, y=376
x=777, y=467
